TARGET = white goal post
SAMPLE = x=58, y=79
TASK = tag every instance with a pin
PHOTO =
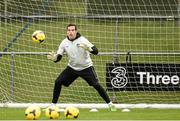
x=138, y=62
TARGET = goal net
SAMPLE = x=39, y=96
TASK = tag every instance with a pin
x=138, y=42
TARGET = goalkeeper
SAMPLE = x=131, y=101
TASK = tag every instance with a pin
x=80, y=64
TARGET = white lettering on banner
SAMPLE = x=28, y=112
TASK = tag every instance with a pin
x=157, y=79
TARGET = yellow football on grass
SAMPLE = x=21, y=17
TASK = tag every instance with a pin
x=52, y=112
x=71, y=112
x=32, y=113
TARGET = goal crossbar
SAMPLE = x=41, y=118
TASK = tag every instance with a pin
x=90, y=17
x=100, y=53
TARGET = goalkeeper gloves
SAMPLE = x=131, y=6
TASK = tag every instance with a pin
x=86, y=47
x=52, y=56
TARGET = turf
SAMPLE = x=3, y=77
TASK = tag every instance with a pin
x=34, y=75
x=103, y=114
x=34, y=69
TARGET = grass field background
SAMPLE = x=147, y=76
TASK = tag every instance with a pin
x=34, y=75
x=103, y=114
x=141, y=36
x=34, y=81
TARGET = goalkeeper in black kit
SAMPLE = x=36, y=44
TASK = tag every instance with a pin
x=78, y=49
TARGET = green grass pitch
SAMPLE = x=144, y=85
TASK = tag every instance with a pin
x=102, y=114
x=132, y=35
x=132, y=42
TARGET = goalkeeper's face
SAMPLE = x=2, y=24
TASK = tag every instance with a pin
x=71, y=32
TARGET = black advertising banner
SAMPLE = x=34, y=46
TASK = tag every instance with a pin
x=142, y=77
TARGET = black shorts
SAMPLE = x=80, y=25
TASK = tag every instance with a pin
x=69, y=75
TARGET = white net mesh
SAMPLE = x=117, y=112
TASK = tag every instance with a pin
x=146, y=29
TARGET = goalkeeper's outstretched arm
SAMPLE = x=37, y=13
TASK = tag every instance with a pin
x=94, y=50
x=58, y=58
x=89, y=47
x=54, y=57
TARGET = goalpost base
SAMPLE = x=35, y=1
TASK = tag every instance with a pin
x=91, y=105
